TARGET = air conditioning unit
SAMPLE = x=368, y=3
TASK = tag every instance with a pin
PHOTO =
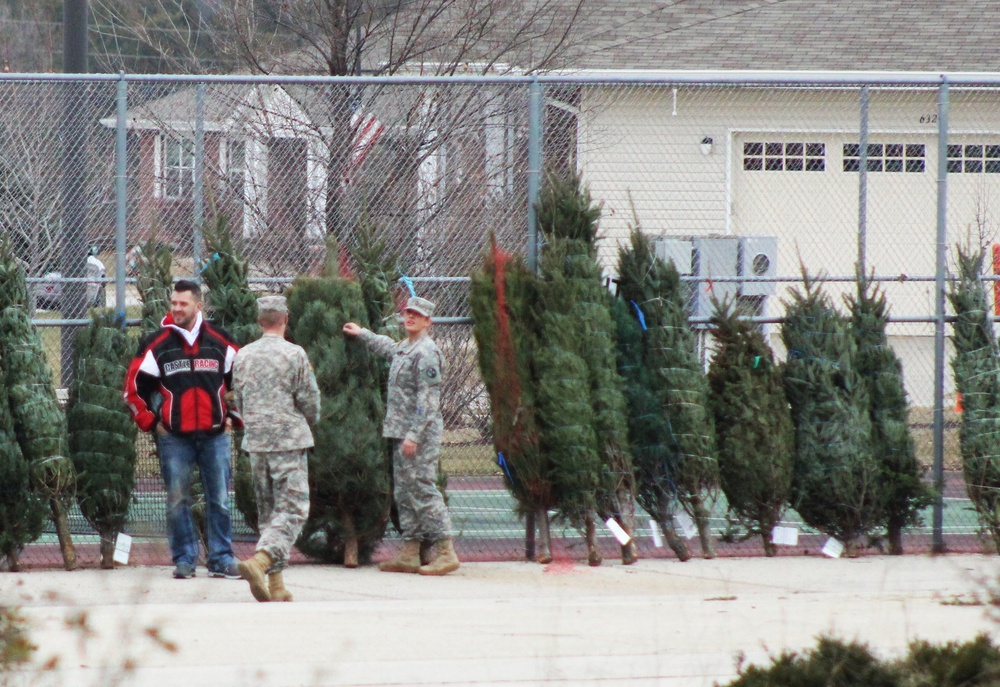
x=716, y=261
x=677, y=251
x=758, y=258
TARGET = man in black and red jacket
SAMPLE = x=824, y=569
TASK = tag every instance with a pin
x=176, y=387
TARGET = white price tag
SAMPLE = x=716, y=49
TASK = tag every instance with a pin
x=616, y=529
x=657, y=537
x=686, y=524
x=123, y=545
x=785, y=536
x=833, y=548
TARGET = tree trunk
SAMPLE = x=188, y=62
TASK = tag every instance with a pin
x=61, y=521
x=676, y=544
x=107, y=552
x=544, y=537
x=529, y=536
x=851, y=548
x=593, y=554
x=895, y=536
x=704, y=528
x=13, y=562
x=769, y=548
x=350, y=541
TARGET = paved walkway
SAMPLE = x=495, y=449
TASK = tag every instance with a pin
x=657, y=622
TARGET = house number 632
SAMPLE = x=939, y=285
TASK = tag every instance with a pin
x=928, y=119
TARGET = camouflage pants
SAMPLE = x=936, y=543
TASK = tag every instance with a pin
x=422, y=513
x=281, y=484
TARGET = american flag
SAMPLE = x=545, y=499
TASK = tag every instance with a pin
x=367, y=132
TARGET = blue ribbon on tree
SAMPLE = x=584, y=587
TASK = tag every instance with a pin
x=502, y=462
x=208, y=262
x=638, y=312
x=409, y=285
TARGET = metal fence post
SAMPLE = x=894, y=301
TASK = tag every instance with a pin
x=120, y=195
x=535, y=103
x=863, y=186
x=198, y=192
x=939, y=303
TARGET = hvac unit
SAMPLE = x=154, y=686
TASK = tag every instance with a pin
x=758, y=258
x=677, y=251
x=716, y=262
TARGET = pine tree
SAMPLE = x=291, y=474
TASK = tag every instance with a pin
x=835, y=487
x=904, y=493
x=154, y=282
x=654, y=291
x=349, y=471
x=579, y=394
x=101, y=432
x=22, y=512
x=753, y=424
x=502, y=298
x=232, y=306
x=977, y=378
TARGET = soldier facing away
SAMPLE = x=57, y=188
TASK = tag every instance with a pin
x=276, y=391
x=413, y=422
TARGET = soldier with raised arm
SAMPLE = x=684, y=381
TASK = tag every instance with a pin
x=413, y=421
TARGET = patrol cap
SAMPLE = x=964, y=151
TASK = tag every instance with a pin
x=268, y=304
x=421, y=306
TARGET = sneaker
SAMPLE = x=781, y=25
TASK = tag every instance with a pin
x=183, y=571
x=229, y=571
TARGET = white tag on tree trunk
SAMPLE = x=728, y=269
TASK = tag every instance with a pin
x=833, y=548
x=123, y=545
x=785, y=536
x=686, y=523
x=616, y=529
x=657, y=537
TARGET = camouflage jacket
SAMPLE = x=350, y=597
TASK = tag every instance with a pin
x=275, y=389
x=413, y=406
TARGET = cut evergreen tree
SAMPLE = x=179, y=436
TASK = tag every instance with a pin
x=977, y=379
x=754, y=429
x=101, y=431
x=13, y=285
x=579, y=394
x=502, y=298
x=349, y=473
x=657, y=298
x=904, y=493
x=232, y=306
x=22, y=512
x=835, y=487
x=154, y=282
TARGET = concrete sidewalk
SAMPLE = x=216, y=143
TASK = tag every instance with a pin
x=654, y=623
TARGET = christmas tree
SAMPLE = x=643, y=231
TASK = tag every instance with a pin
x=22, y=512
x=579, y=394
x=753, y=424
x=152, y=265
x=232, y=306
x=101, y=432
x=349, y=474
x=977, y=378
x=658, y=300
x=502, y=299
x=835, y=487
x=904, y=493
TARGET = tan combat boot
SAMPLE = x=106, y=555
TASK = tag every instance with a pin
x=276, y=586
x=406, y=561
x=445, y=562
x=254, y=570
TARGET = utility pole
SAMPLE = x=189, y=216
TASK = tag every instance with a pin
x=73, y=228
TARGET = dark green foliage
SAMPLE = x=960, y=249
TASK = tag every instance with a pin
x=501, y=298
x=835, y=663
x=13, y=287
x=904, y=493
x=977, y=379
x=22, y=512
x=101, y=432
x=349, y=474
x=376, y=274
x=653, y=288
x=753, y=424
x=232, y=306
x=154, y=281
x=836, y=484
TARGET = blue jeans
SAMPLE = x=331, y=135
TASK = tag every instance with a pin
x=178, y=456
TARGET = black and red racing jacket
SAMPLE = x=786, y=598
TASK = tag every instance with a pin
x=179, y=378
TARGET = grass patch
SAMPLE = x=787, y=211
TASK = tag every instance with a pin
x=472, y=460
x=922, y=430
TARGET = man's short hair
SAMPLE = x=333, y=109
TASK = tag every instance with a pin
x=187, y=285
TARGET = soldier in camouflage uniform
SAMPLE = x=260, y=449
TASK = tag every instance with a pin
x=275, y=389
x=413, y=421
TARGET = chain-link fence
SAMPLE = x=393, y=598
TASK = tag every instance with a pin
x=745, y=181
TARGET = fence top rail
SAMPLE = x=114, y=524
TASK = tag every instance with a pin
x=582, y=77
